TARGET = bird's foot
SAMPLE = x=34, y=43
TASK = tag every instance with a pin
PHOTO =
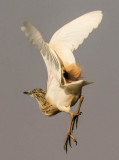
x=75, y=120
x=68, y=140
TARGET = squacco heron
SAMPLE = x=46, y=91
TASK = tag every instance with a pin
x=64, y=85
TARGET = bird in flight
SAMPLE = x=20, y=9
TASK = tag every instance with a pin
x=64, y=85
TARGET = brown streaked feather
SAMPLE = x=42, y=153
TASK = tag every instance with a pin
x=45, y=106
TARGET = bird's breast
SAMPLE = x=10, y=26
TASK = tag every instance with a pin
x=58, y=97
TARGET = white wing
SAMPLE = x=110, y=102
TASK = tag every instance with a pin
x=51, y=60
x=71, y=35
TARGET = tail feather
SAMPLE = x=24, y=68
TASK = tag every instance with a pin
x=75, y=87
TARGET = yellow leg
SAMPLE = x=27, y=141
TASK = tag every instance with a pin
x=75, y=119
x=69, y=135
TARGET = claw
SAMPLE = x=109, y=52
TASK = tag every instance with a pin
x=75, y=119
x=68, y=139
x=73, y=139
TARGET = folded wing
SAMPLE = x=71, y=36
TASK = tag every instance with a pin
x=71, y=35
x=51, y=60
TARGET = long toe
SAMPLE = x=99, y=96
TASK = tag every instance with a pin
x=68, y=140
x=75, y=121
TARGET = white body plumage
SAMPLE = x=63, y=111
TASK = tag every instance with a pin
x=62, y=97
x=58, y=53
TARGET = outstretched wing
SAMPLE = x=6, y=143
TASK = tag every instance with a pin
x=71, y=35
x=51, y=60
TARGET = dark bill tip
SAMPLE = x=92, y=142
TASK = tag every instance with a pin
x=26, y=92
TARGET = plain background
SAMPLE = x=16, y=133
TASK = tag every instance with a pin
x=25, y=133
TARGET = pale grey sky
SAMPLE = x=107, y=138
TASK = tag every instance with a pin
x=25, y=133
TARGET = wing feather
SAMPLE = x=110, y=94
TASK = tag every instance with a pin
x=51, y=60
x=70, y=36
